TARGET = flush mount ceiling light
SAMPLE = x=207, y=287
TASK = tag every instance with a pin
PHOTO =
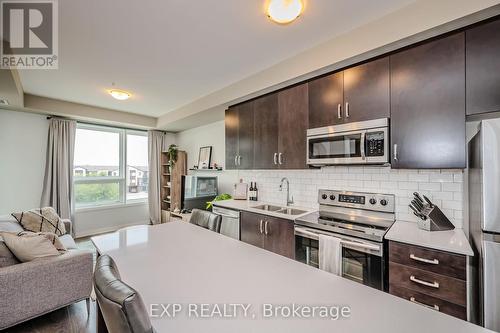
x=119, y=94
x=284, y=11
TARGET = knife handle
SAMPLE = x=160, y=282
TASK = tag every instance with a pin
x=428, y=201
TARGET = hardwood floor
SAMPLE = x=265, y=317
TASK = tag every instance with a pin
x=71, y=319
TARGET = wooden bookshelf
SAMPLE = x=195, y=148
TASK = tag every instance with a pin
x=171, y=179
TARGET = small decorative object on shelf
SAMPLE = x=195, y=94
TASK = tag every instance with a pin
x=205, y=157
x=431, y=218
x=172, y=154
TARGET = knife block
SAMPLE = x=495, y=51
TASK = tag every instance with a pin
x=436, y=220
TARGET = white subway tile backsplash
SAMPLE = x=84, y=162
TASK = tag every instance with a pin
x=443, y=187
x=418, y=177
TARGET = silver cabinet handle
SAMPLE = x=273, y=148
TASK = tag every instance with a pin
x=432, y=307
x=347, y=109
x=280, y=160
x=339, y=111
x=275, y=158
x=236, y=160
x=260, y=228
x=425, y=283
x=427, y=261
x=265, y=228
x=239, y=159
x=395, y=152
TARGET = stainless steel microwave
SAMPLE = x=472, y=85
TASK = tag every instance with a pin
x=364, y=142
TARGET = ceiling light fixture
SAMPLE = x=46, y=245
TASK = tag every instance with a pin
x=284, y=11
x=119, y=94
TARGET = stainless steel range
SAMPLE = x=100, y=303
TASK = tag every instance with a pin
x=360, y=220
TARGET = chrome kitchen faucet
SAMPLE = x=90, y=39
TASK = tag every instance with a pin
x=289, y=200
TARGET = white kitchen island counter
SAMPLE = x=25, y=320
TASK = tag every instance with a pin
x=184, y=264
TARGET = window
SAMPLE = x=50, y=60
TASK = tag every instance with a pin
x=110, y=166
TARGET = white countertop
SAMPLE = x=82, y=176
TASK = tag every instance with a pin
x=453, y=241
x=180, y=263
x=246, y=205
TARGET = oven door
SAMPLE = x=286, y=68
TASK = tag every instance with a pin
x=362, y=261
x=339, y=148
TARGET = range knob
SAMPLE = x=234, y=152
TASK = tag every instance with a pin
x=373, y=201
x=324, y=196
x=383, y=202
x=332, y=197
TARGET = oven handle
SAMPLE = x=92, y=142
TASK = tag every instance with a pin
x=303, y=232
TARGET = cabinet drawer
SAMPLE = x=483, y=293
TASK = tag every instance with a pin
x=440, y=286
x=439, y=262
x=429, y=301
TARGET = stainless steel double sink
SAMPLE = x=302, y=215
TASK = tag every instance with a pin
x=280, y=210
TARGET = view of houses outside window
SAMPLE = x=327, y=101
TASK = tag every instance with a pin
x=110, y=166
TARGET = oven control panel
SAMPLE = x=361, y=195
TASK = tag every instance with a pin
x=361, y=200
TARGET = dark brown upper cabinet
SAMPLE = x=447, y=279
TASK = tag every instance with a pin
x=266, y=132
x=483, y=68
x=280, y=129
x=366, y=91
x=293, y=121
x=239, y=125
x=356, y=94
x=428, y=105
x=326, y=96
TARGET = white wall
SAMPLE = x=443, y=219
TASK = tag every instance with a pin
x=23, y=140
x=445, y=187
x=208, y=135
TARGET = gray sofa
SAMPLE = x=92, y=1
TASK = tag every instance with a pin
x=30, y=289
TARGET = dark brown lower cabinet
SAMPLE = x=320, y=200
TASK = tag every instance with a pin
x=270, y=233
x=429, y=301
x=427, y=277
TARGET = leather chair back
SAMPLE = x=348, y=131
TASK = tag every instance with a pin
x=122, y=307
x=206, y=219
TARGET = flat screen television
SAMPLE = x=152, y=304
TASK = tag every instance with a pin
x=197, y=191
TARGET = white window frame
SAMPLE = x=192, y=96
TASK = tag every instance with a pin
x=121, y=179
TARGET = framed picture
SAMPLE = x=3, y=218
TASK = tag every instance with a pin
x=205, y=157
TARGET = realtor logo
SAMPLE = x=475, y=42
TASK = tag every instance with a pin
x=29, y=35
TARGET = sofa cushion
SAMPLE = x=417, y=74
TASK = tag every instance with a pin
x=7, y=258
x=29, y=247
x=41, y=220
x=68, y=242
x=9, y=223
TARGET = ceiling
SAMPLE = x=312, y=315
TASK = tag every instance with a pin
x=169, y=53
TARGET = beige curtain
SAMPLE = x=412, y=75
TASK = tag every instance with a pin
x=58, y=182
x=157, y=142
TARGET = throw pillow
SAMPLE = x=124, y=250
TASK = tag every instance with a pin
x=29, y=248
x=7, y=258
x=41, y=220
x=53, y=238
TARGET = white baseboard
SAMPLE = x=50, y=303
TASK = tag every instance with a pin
x=94, y=232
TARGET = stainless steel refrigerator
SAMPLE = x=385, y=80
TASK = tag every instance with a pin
x=484, y=218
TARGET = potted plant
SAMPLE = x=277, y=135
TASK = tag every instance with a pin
x=172, y=155
x=220, y=197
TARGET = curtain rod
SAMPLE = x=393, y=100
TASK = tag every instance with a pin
x=103, y=125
